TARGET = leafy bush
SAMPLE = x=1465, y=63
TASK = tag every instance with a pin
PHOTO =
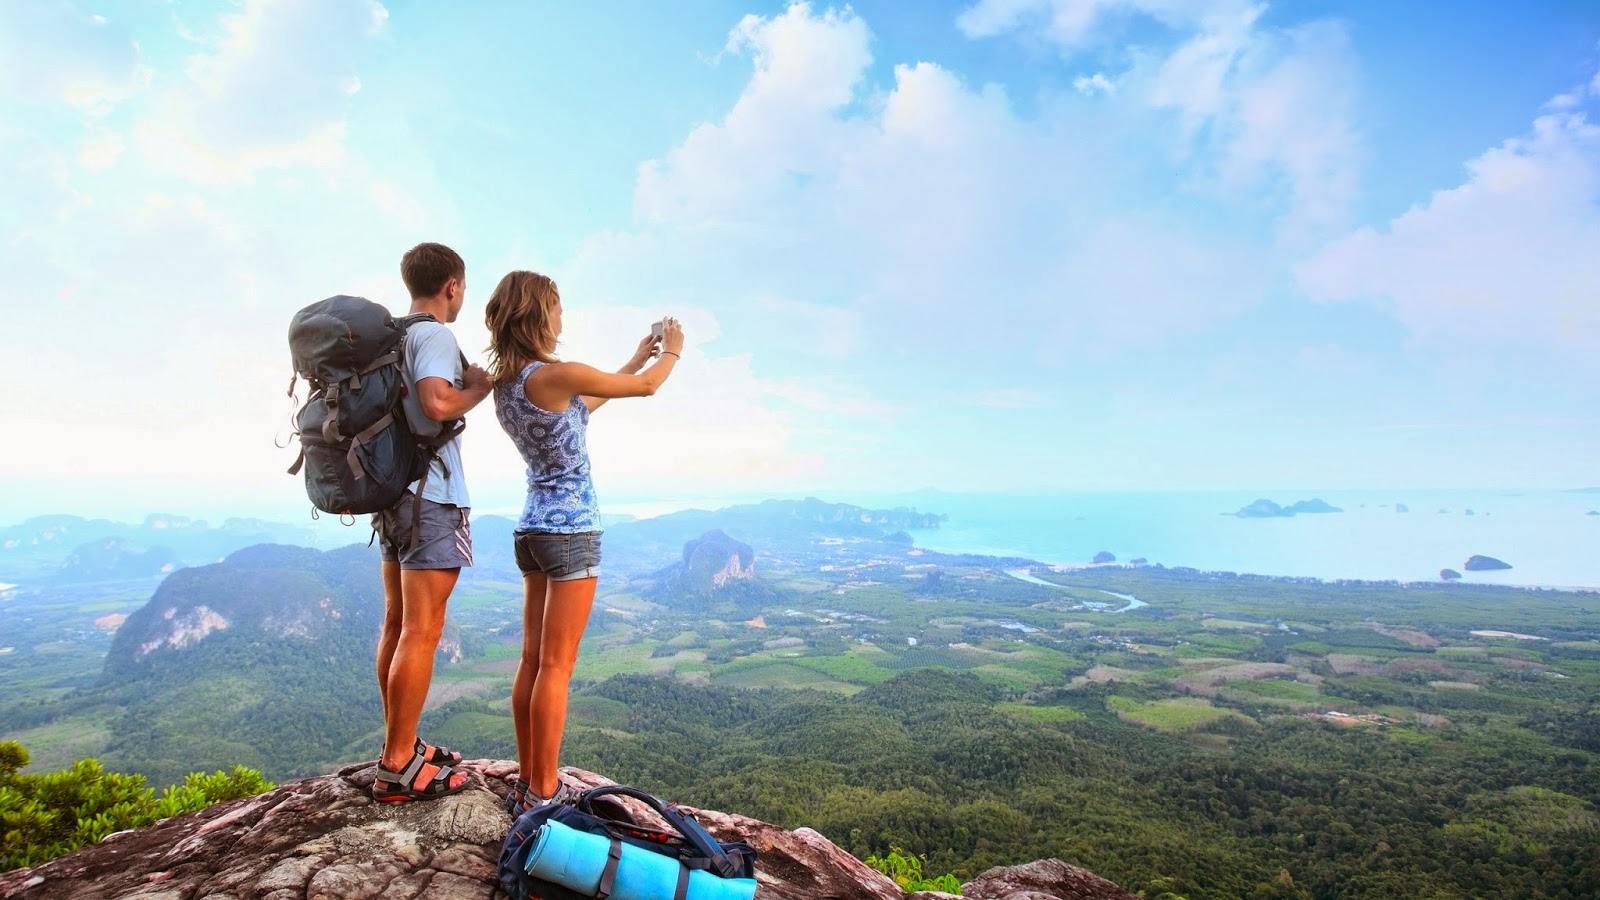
x=44, y=816
x=906, y=870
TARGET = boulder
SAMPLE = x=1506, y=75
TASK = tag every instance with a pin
x=325, y=837
x=1046, y=879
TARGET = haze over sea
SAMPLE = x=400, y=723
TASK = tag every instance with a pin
x=1546, y=536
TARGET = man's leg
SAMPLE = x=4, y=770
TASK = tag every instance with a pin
x=534, y=586
x=425, y=593
x=566, y=614
x=389, y=637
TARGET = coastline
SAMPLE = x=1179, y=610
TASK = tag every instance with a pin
x=1546, y=535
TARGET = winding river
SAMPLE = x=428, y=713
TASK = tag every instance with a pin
x=1024, y=575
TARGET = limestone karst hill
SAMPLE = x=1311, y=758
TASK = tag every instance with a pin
x=715, y=570
x=325, y=838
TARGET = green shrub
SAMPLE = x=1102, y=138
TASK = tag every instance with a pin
x=44, y=816
x=906, y=870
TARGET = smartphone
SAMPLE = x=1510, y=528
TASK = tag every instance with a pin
x=658, y=328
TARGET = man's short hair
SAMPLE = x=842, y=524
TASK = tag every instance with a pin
x=426, y=267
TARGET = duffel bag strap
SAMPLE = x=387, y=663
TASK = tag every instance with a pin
x=608, y=876
x=704, y=844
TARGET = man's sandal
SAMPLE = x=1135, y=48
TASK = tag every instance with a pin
x=420, y=780
x=439, y=756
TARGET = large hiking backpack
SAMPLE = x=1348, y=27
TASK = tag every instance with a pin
x=356, y=446
x=593, y=849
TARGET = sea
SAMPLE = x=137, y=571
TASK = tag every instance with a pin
x=1549, y=538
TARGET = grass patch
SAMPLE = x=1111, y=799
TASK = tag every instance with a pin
x=782, y=675
x=859, y=666
x=1236, y=624
x=1049, y=715
x=1178, y=715
x=634, y=659
x=1007, y=677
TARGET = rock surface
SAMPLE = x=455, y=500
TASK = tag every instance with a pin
x=325, y=838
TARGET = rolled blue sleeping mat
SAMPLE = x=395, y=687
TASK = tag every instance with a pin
x=576, y=860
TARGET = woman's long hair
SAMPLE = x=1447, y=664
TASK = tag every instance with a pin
x=518, y=316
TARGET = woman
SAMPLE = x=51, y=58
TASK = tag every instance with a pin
x=544, y=405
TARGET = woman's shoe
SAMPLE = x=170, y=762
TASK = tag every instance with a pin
x=521, y=798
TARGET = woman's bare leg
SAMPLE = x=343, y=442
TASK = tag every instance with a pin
x=554, y=652
x=533, y=600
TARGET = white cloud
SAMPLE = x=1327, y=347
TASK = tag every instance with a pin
x=920, y=234
x=270, y=92
x=1295, y=117
x=1507, y=258
x=805, y=68
x=1095, y=84
x=1263, y=110
x=161, y=246
x=928, y=217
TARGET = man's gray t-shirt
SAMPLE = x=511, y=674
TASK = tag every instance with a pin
x=431, y=352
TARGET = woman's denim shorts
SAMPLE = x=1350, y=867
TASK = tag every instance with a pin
x=559, y=557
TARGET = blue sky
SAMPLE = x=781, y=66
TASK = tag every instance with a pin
x=991, y=245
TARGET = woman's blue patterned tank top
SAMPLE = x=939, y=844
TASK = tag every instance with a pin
x=554, y=445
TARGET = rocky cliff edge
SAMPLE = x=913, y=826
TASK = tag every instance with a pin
x=326, y=838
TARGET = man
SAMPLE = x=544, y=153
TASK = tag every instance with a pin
x=422, y=560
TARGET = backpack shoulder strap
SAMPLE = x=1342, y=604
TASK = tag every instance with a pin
x=412, y=319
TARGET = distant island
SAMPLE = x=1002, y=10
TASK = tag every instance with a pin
x=1104, y=556
x=1266, y=509
x=1485, y=564
x=1449, y=575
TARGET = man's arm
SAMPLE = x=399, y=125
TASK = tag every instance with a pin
x=441, y=401
x=434, y=356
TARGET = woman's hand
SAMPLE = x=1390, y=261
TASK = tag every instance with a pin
x=649, y=348
x=671, y=336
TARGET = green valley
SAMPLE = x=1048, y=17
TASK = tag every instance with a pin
x=1188, y=734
